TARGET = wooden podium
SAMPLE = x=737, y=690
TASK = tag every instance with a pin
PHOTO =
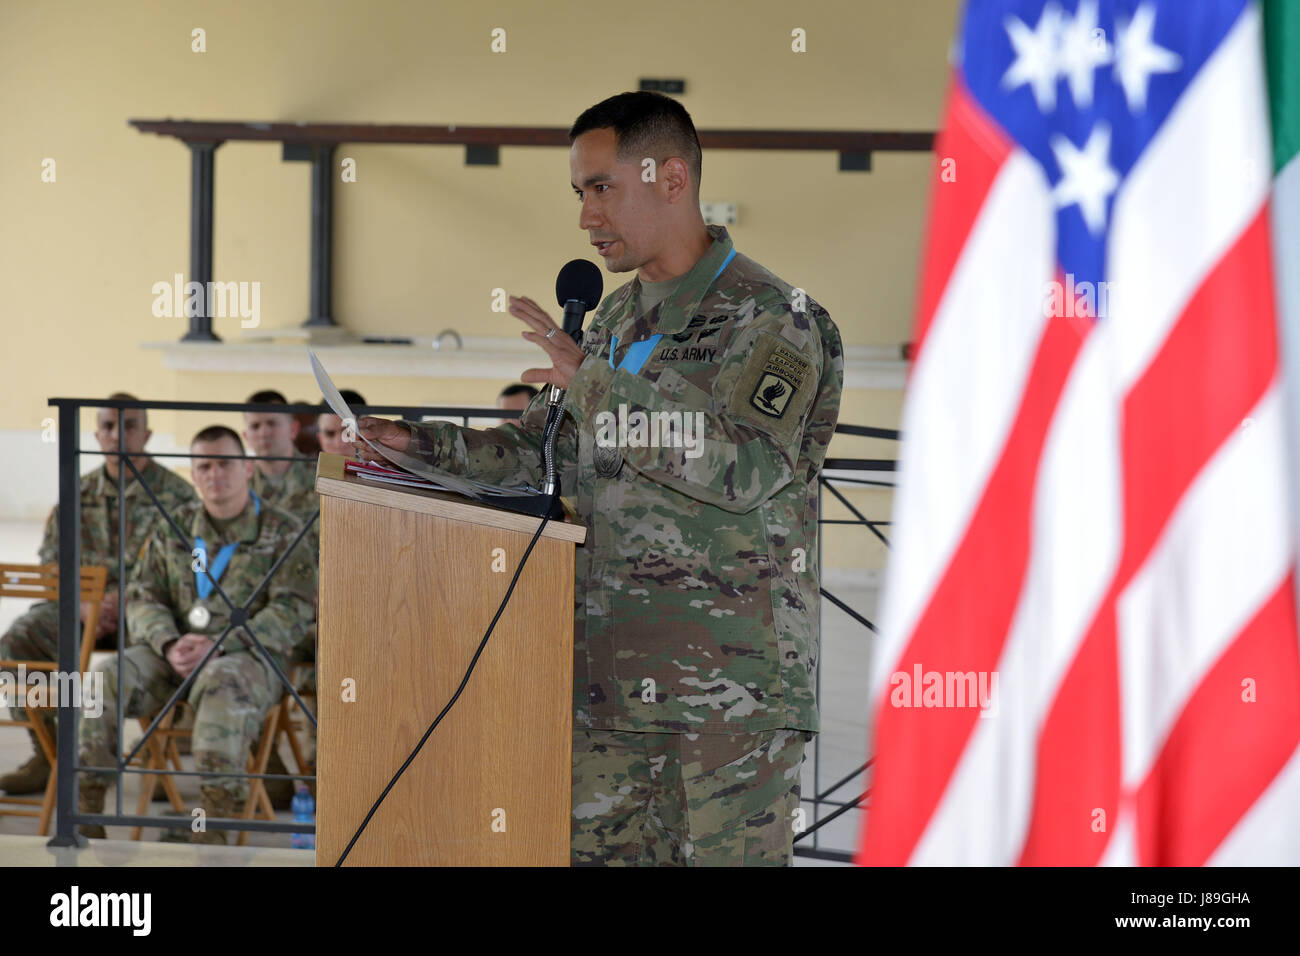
x=409, y=581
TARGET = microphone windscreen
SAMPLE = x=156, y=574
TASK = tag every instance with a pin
x=580, y=279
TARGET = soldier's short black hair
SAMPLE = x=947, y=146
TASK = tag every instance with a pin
x=216, y=433
x=351, y=397
x=517, y=389
x=266, y=397
x=645, y=124
x=128, y=397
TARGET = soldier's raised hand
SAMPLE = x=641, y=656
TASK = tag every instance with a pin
x=564, y=353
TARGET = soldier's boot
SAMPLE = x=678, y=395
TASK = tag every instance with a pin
x=90, y=799
x=31, y=777
x=216, y=802
x=280, y=791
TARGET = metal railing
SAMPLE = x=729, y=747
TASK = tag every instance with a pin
x=67, y=817
x=812, y=848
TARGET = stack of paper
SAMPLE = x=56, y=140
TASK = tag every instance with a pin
x=397, y=468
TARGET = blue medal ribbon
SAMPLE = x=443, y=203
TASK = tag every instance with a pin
x=636, y=355
x=638, y=352
x=205, y=581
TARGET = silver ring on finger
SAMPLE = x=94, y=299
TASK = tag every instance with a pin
x=551, y=333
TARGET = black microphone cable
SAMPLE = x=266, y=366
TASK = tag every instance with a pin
x=578, y=282
x=456, y=696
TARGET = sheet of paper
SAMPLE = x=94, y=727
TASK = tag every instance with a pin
x=390, y=457
x=332, y=397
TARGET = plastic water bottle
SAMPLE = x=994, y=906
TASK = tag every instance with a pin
x=304, y=811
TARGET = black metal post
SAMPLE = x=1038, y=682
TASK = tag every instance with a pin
x=69, y=620
x=201, y=182
x=817, y=690
x=322, y=237
x=122, y=465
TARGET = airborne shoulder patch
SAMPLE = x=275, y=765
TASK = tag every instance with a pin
x=783, y=374
x=775, y=387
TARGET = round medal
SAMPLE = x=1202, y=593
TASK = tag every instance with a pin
x=199, y=617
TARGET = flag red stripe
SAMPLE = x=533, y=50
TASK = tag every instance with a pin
x=1077, y=772
x=977, y=148
x=967, y=619
x=1214, y=366
x=1223, y=752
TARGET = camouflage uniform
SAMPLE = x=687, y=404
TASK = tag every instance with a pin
x=234, y=692
x=295, y=492
x=35, y=635
x=697, y=590
x=648, y=799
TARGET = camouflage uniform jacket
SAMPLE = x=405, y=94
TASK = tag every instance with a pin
x=697, y=589
x=162, y=590
x=99, y=516
x=294, y=492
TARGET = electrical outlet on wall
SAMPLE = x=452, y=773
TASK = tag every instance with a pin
x=719, y=213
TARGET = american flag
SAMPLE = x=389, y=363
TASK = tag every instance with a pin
x=1092, y=519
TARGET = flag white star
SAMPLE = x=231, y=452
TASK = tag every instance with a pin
x=1036, y=55
x=1083, y=49
x=1087, y=177
x=1137, y=56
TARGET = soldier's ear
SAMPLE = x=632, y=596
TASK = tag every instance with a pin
x=677, y=177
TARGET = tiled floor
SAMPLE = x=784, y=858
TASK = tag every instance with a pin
x=23, y=850
x=841, y=749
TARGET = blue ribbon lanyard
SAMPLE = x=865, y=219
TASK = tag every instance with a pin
x=638, y=352
x=205, y=581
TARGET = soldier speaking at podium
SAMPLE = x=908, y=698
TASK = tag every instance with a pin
x=697, y=590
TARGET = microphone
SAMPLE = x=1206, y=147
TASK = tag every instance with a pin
x=578, y=289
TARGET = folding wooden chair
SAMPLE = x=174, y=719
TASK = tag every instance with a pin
x=41, y=581
x=259, y=801
x=160, y=749
x=294, y=725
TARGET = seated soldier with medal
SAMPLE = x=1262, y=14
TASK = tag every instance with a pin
x=178, y=616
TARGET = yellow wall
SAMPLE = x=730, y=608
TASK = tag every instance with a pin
x=421, y=239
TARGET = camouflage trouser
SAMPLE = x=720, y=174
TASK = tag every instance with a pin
x=231, y=696
x=654, y=799
x=34, y=636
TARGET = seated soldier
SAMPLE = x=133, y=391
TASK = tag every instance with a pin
x=290, y=485
x=175, y=614
x=330, y=430
x=35, y=635
x=306, y=443
x=516, y=397
x=333, y=439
